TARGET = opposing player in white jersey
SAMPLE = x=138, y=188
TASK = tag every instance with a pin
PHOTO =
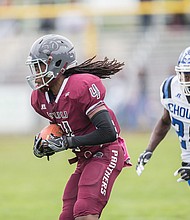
x=175, y=97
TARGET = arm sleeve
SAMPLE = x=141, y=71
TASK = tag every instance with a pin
x=105, y=132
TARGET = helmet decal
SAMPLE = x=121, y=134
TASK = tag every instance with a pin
x=186, y=58
x=51, y=45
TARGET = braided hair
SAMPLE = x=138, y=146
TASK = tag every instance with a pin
x=103, y=69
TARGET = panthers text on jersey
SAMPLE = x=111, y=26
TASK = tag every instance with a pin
x=174, y=100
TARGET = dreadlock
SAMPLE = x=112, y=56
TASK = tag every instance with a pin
x=103, y=69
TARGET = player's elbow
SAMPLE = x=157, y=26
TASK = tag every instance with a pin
x=112, y=135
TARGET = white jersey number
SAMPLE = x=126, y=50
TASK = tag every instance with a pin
x=94, y=91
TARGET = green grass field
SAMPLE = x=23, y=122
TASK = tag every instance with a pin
x=31, y=188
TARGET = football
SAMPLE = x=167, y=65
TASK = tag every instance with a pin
x=51, y=129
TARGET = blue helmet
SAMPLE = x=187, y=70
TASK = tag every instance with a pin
x=183, y=70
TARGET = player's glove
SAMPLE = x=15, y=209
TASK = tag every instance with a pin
x=40, y=148
x=142, y=161
x=58, y=144
x=184, y=171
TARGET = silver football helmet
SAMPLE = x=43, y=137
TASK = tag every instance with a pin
x=55, y=53
x=183, y=71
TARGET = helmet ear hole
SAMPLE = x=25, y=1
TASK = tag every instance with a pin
x=58, y=63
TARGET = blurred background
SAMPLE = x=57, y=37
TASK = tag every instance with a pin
x=147, y=35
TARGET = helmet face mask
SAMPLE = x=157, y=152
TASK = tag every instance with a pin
x=37, y=72
x=49, y=56
x=183, y=71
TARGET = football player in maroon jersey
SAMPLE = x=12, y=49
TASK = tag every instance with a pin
x=72, y=96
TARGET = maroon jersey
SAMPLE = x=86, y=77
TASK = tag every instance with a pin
x=89, y=187
x=79, y=95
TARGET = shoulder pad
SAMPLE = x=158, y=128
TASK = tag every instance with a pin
x=166, y=87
